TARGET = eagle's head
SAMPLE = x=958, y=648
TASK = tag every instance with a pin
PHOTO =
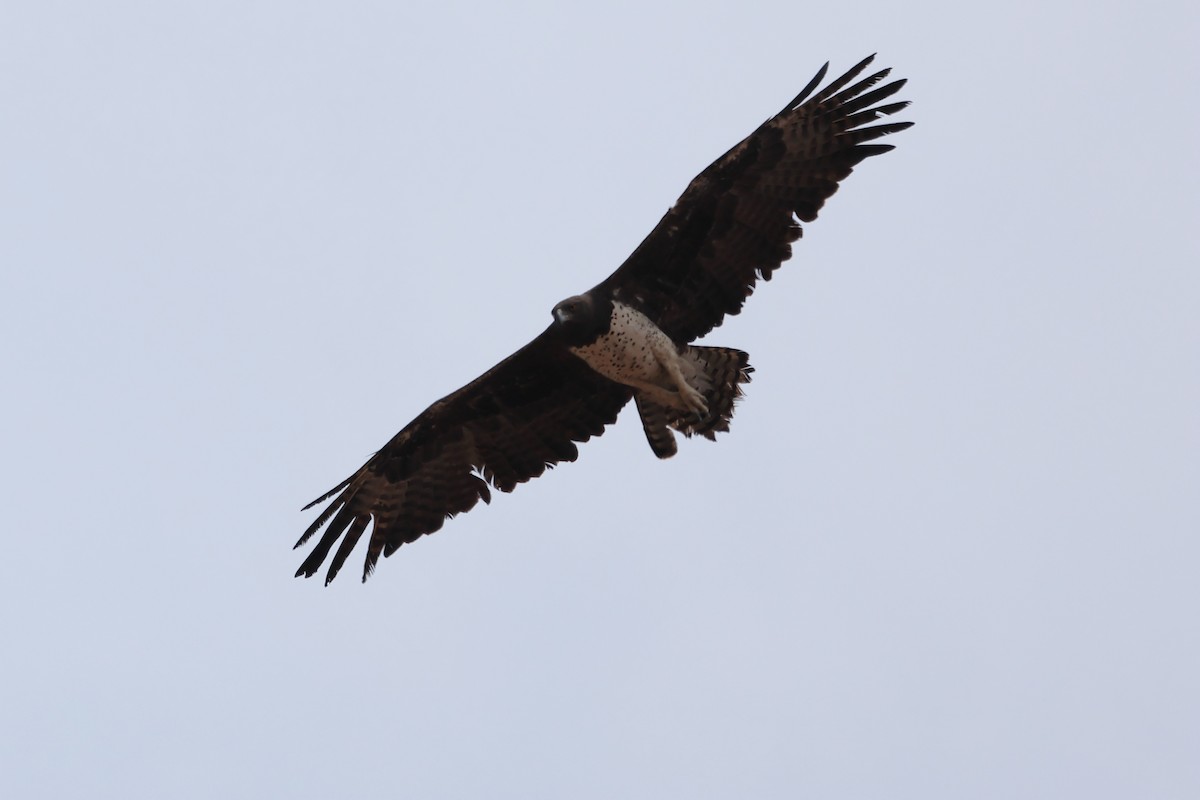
x=578, y=320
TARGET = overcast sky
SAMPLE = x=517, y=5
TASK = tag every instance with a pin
x=949, y=549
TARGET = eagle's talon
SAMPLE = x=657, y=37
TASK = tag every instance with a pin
x=695, y=401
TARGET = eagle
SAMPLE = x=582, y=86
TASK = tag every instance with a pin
x=630, y=337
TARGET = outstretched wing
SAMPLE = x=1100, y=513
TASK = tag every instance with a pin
x=736, y=221
x=505, y=427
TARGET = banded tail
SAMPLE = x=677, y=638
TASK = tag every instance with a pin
x=720, y=373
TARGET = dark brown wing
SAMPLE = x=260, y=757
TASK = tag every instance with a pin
x=736, y=221
x=505, y=427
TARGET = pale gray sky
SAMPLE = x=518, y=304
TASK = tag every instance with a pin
x=948, y=550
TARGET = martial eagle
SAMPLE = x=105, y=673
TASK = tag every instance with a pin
x=628, y=337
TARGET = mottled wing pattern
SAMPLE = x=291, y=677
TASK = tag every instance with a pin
x=507, y=426
x=736, y=221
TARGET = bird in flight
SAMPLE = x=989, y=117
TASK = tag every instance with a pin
x=628, y=337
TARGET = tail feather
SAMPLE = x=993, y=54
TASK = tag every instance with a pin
x=654, y=422
x=727, y=369
x=724, y=370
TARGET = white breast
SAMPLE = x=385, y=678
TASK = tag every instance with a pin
x=630, y=352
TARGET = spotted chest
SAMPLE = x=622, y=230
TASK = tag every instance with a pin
x=632, y=350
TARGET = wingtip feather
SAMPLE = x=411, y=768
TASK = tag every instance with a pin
x=330, y=493
x=807, y=90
